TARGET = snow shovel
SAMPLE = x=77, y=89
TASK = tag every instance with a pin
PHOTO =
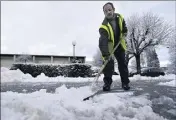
x=94, y=86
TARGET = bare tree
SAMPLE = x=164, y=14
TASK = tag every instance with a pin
x=143, y=60
x=152, y=57
x=97, y=59
x=24, y=58
x=133, y=62
x=172, y=52
x=144, y=31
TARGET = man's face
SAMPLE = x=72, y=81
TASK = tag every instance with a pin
x=108, y=11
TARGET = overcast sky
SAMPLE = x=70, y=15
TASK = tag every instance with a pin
x=49, y=27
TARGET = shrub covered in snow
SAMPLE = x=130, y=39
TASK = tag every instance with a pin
x=77, y=70
x=50, y=70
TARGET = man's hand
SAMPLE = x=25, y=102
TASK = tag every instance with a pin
x=107, y=57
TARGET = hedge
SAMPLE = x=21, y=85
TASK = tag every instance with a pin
x=52, y=70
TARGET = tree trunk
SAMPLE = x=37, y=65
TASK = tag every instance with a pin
x=127, y=58
x=138, y=66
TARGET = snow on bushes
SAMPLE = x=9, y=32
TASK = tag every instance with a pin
x=52, y=70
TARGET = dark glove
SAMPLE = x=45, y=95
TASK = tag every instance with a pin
x=106, y=57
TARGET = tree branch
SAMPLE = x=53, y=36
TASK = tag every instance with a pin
x=135, y=41
x=130, y=52
x=144, y=37
x=145, y=46
x=132, y=46
x=130, y=57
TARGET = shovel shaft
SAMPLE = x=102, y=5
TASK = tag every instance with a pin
x=104, y=65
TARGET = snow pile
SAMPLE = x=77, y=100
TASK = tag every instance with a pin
x=164, y=100
x=4, y=69
x=171, y=83
x=67, y=104
x=166, y=77
x=18, y=76
x=43, y=78
x=13, y=75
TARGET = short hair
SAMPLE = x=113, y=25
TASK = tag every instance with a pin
x=109, y=4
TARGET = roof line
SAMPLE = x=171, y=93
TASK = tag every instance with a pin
x=41, y=55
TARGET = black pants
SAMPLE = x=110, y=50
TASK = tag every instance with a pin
x=122, y=66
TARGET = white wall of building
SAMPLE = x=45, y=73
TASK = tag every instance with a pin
x=7, y=61
x=61, y=60
x=42, y=59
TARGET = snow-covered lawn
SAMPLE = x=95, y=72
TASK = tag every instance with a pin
x=67, y=104
x=17, y=76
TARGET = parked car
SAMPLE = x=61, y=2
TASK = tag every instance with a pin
x=132, y=73
x=152, y=72
x=149, y=71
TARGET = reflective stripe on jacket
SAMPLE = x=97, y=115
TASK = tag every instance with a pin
x=110, y=32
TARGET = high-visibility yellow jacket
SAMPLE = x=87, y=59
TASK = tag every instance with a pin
x=108, y=40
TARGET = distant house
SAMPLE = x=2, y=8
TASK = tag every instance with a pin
x=8, y=59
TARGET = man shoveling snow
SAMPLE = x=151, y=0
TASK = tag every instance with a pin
x=112, y=32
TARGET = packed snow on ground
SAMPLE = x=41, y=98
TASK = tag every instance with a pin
x=68, y=104
x=17, y=76
x=171, y=83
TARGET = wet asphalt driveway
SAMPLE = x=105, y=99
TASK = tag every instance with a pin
x=163, y=97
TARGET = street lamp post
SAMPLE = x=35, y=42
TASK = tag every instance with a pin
x=74, y=44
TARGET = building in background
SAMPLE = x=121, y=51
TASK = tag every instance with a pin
x=8, y=59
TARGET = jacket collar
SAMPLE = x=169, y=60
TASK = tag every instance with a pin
x=105, y=21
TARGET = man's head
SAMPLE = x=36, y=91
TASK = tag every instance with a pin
x=109, y=10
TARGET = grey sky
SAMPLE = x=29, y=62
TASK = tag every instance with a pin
x=49, y=27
